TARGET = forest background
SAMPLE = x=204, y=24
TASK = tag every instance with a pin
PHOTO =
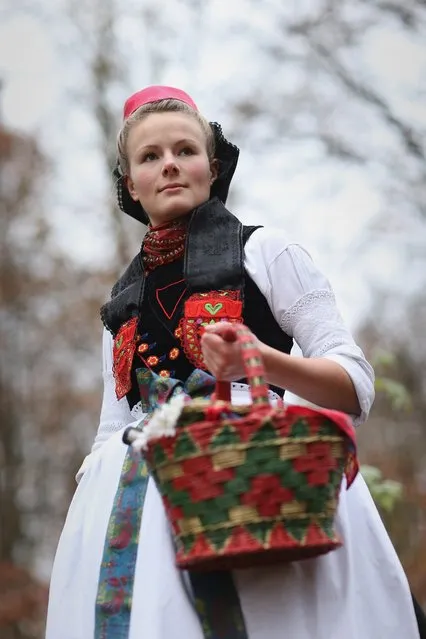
x=326, y=99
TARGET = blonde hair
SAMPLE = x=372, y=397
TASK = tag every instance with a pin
x=160, y=106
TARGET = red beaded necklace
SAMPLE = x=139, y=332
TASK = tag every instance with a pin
x=164, y=243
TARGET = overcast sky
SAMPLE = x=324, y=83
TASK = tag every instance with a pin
x=327, y=209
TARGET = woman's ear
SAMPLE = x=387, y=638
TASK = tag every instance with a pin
x=131, y=188
x=214, y=170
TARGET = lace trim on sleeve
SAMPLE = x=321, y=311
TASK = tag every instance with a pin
x=328, y=346
x=316, y=325
x=316, y=305
x=308, y=300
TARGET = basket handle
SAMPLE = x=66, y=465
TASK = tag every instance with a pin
x=253, y=364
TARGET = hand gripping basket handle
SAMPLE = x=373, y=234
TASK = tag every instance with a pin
x=253, y=364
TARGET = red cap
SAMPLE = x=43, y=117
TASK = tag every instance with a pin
x=154, y=93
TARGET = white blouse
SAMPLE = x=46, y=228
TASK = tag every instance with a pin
x=303, y=304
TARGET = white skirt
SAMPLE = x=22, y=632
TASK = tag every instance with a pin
x=356, y=592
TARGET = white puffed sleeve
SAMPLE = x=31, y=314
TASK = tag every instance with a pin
x=303, y=304
x=115, y=414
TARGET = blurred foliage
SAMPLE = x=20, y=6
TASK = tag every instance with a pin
x=385, y=492
x=395, y=391
x=392, y=445
x=23, y=603
x=320, y=88
x=48, y=319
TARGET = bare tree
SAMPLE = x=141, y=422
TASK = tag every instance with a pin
x=116, y=43
x=307, y=80
x=49, y=379
x=21, y=165
x=321, y=88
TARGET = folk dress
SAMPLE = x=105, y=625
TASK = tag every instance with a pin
x=358, y=591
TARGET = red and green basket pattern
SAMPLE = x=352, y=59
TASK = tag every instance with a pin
x=252, y=485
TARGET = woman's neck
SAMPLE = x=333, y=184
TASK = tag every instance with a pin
x=164, y=243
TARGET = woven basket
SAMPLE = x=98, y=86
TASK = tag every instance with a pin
x=252, y=485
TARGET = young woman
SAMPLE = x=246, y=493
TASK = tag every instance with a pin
x=114, y=574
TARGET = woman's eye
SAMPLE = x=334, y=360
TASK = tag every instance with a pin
x=186, y=151
x=148, y=157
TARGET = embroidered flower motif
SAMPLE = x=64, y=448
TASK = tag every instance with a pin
x=178, y=332
x=162, y=423
x=143, y=347
x=164, y=373
x=174, y=353
x=152, y=360
x=202, y=309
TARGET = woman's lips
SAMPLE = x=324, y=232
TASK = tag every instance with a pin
x=172, y=187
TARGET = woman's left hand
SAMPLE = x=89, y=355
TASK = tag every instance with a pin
x=222, y=352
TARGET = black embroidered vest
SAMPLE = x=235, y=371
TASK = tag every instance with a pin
x=213, y=260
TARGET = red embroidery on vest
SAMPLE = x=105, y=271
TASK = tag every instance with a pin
x=123, y=352
x=202, y=309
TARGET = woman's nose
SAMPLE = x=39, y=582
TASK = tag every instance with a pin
x=170, y=166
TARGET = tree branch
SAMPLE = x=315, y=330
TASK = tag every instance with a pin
x=412, y=143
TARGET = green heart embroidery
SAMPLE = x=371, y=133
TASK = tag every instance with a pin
x=213, y=309
x=119, y=342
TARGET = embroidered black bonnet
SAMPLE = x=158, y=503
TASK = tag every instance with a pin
x=225, y=152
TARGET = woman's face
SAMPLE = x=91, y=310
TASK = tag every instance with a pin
x=169, y=169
